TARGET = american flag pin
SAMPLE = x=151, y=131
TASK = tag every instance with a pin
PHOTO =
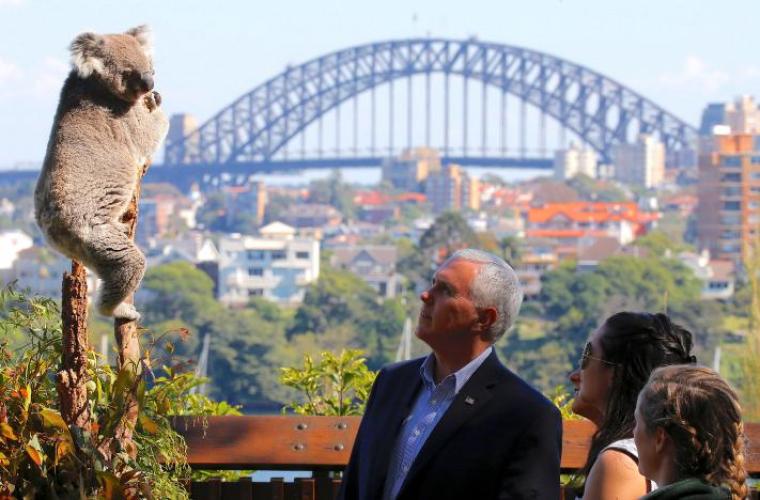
x=469, y=400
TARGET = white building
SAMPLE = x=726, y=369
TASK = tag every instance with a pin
x=717, y=276
x=11, y=243
x=40, y=270
x=275, y=265
x=641, y=163
x=573, y=161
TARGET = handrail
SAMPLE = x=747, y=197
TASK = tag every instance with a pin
x=282, y=442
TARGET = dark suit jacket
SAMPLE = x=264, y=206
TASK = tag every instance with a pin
x=500, y=438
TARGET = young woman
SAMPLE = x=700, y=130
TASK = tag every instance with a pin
x=690, y=436
x=616, y=363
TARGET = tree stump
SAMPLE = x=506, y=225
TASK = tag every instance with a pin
x=72, y=379
x=128, y=344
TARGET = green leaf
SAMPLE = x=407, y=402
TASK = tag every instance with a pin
x=52, y=419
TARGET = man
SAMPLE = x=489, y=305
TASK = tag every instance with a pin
x=458, y=424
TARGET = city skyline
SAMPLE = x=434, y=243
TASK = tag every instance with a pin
x=698, y=59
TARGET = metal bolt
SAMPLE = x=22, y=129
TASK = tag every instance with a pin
x=302, y=426
x=342, y=426
x=338, y=447
x=298, y=447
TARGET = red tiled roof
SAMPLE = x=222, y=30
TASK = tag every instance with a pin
x=411, y=197
x=371, y=198
x=583, y=211
x=564, y=233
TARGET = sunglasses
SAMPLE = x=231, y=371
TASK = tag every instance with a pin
x=587, y=355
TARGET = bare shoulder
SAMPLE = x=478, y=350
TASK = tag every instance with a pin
x=614, y=475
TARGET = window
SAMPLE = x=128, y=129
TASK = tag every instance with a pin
x=729, y=247
x=732, y=205
x=255, y=271
x=731, y=177
x=255, y=292
x=302, y=255
x=255, y=255
x=730, y=235
x=755, y=176
x=279, y=255
x=755, y=160
x=731, y=161
x=732, y=191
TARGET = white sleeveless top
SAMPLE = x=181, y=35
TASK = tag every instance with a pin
x=627, y=446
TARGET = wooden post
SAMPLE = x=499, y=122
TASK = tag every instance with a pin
x=128, y=344
x=72, y=379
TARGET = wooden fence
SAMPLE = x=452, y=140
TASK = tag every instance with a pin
x=321, y=445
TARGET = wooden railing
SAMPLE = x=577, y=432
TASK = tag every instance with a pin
x=321, y=445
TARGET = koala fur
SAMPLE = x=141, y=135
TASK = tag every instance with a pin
x=107, y=127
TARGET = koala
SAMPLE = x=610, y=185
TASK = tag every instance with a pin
x=107, y=126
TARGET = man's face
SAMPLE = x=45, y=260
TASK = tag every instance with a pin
x=447, y=309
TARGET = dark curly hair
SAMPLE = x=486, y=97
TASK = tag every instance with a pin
x=636, y=343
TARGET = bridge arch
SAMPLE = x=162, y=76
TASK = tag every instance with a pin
x=601, y=111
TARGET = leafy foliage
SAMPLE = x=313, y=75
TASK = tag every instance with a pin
x=333, y=191
x=448, y=233
x=338, y=385
x=41, y=457
x=562, y=400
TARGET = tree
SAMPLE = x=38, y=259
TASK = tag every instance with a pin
x=596, y=190
x=179, y=291
x=341, y=300
x=660, y=243
x=449, y=232
x=511, y=250
x=333, y=191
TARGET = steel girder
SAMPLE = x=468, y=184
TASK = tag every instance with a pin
x=598, y=109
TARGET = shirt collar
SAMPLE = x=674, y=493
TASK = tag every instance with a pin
x=460, y=377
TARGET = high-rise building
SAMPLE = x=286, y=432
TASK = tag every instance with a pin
x=741, y=116
x=180, y=126
x=573, y=161
x=728, y=210
x=249, y=199
x=452, y=189
x=409, y=171
x=641, y=163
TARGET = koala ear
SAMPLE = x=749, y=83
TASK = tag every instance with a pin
x=144, y=37
x=85, y=54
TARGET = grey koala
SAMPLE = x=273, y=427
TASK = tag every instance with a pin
x=108, y=125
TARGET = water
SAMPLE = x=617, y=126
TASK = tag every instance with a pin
x=368, y=176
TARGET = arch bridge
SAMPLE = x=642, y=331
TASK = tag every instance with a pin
x=258, y=131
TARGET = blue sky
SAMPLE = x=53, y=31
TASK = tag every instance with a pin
x=681, y=54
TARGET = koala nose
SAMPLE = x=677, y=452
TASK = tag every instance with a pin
x=147, y=81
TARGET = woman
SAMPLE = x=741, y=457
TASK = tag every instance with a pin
x=690, y=436
x=616, y=363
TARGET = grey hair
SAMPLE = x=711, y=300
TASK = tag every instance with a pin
x=495, y=285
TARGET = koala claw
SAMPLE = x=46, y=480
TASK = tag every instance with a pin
x=126, y=311
x=152, y=100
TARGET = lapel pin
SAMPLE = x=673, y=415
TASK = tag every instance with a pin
x=469, y=400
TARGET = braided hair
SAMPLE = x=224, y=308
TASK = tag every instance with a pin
x=700, y=413
x=635, y=343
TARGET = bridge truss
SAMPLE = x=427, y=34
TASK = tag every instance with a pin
x=260, y=124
